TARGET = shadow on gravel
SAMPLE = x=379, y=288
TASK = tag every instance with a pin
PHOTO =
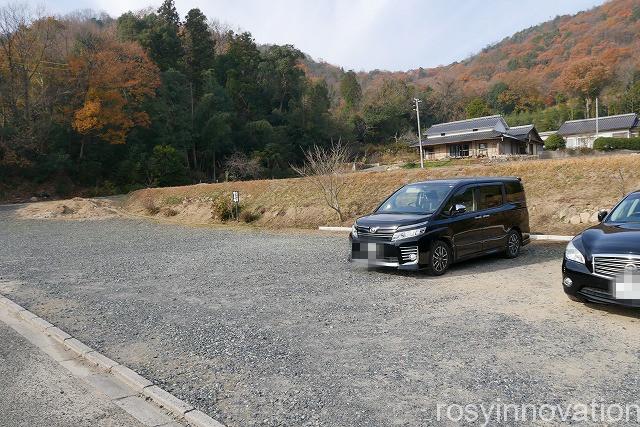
x=615, y=309
x=530, y=255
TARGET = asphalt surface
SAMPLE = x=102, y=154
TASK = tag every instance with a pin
x=277, y=329
x=38, y=391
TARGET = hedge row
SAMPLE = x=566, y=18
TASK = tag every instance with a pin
x=607, y=143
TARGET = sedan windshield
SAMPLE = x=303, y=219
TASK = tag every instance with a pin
x=416, y=199
x=628, y=210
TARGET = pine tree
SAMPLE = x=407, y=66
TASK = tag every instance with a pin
x=168, y=12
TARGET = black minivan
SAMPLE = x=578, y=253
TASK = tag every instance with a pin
x=433, y=224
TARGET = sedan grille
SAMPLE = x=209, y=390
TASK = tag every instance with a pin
x=382, y=234
x=407, y=251
x=613, y=265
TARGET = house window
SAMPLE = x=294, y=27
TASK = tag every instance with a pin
x=459, y=150
x=585, y=142
x=482, y=149
x=429, y=152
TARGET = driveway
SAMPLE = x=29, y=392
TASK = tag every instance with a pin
x=274, y=328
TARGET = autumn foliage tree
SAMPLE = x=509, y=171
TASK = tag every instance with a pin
x=112, y=80
x=586, y=79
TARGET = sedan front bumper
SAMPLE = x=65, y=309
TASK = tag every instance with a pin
x=589, y=287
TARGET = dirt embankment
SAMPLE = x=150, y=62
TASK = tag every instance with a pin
x=563, y=195
x=76, y=208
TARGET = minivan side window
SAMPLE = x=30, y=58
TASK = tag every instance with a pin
x=462, y=197
x=515, y=192
x=489, y=196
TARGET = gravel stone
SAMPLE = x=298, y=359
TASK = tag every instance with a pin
x=261, y=328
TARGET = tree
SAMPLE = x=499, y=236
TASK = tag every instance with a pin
x=199, y=48
x=586, y=79
x=166, y=167
x=477, y=107
x=26, y=38
x=158, y=35
x=387, y=111
x=167, y=11
x=113, y=80
x=326, y=168
x=495, y=101
x=554, y=142
x=350, y=90
x=281, y=72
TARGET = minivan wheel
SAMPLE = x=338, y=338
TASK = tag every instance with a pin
x=439, y=258
x=514, y=242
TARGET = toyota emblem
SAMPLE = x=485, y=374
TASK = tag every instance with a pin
x=373, y=229
x=630, y=267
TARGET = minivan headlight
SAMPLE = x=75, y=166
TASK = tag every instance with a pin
x=400, y=235
x=572, y=253
x=354, y=231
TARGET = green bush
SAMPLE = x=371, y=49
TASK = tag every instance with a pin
x=223, y=209
x=607, y=143
x=554, y=142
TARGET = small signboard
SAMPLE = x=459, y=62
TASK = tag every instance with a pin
x=236, y=196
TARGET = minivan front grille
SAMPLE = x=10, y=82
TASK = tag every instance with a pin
x=407, y=252
x=613, y=265
x=382, y=234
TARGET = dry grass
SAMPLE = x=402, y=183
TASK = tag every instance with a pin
x=556, y=190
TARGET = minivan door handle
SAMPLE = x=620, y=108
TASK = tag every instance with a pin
x=482, y=216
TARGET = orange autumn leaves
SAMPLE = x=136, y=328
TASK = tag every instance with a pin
x=113, y=82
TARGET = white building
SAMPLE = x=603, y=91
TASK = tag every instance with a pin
x=582, y=133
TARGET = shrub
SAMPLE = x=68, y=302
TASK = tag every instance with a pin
x=554, y=142
x=150, y=205
x=222, y=208
x=607, y=143
x=410, y=165
x=167, y=211
x=249, y=216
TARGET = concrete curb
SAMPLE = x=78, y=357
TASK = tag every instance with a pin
x=546, y=237
x=159, y=396
x=551, y=237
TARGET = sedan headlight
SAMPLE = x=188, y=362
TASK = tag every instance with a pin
x=572, y=253
x=406, y=234
x=354, y=231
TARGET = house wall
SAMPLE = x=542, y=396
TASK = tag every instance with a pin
x=495, y=148
x=585, y=140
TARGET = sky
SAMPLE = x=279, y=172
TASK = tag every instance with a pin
x=363, y=35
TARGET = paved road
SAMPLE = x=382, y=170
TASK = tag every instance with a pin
x=38, y=391
x=261, y=328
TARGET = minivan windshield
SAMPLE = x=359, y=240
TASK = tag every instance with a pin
x=628, y=210
x=416, y=199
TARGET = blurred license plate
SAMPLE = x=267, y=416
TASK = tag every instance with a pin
x=374, y=251
x=626, y=286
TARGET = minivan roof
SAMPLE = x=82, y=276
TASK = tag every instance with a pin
x=470, y=180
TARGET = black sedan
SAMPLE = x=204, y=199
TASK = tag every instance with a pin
x=602, y=264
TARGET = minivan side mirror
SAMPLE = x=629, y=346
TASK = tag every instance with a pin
x=602, y=214
x=458, y=209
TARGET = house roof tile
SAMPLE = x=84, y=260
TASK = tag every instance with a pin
x=607, y=123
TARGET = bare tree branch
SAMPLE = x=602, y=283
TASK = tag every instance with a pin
x=326, y=168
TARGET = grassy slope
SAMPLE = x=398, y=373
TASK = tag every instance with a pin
x=569, y=186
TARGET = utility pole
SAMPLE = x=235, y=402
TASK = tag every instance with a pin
x=417, y=101
x=597, y=114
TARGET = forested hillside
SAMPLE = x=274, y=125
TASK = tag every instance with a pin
x=90, y=102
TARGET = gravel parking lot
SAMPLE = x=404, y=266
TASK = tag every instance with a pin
x=266, y=328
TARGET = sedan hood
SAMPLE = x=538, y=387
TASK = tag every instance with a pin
x=391, y=220
x=612, y=238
